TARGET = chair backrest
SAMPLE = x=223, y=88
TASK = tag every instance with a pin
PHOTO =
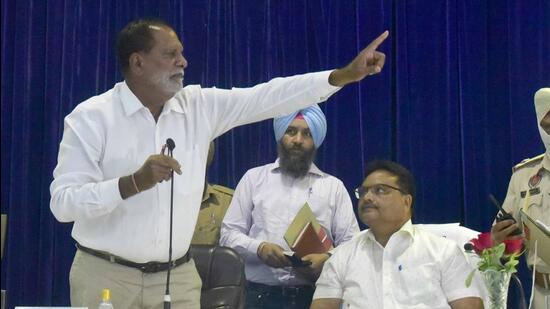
x=222, y=272
x=453, y=231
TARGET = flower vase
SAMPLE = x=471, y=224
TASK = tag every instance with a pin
x=496, y=283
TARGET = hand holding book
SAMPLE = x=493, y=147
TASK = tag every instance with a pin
x=295, y=259
x=305, y=235
x=310, y=241
x=313, y=270
x=272, y=255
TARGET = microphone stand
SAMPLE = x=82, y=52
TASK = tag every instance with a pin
x=523, y=303
x=167, y=299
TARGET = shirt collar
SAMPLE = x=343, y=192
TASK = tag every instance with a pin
x=207, y=193
x=172, y=105
x=129, y=100
x=132, y=104
x=406, y=228
x=313, y=169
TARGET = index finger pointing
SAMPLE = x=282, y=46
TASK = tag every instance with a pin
x=379, y=40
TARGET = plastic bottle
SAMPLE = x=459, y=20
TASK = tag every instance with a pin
x=105, y=300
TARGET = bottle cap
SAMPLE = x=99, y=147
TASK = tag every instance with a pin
x=106, y=294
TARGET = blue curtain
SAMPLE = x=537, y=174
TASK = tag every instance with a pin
x=454, y=102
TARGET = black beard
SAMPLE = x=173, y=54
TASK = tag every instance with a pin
x=295, y=164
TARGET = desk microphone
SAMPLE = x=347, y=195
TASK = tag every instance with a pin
x=468, y=246
x=167, y=300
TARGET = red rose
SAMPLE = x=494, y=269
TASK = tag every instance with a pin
x=513, y=245
x=483, y=241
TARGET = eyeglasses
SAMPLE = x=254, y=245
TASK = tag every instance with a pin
x=378, y=190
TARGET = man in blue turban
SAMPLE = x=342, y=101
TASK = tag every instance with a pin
x=296, y=159
x=266, y=201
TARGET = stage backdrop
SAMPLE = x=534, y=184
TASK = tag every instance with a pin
x=454, y=102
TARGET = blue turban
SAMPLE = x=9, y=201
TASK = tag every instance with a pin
x=315, y=120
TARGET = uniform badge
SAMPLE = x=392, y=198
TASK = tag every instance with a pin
x=534, y=180
x=534, y=191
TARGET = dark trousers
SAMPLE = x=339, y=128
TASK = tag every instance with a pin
x=261, y=296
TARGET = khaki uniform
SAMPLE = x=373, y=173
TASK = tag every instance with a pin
x=215, y=201
x=529, y=190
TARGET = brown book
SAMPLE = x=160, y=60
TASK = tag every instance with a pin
x=297, y=225
x=309, y=241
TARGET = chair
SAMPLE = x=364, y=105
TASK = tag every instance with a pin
x=222, y=273
x=453, y=231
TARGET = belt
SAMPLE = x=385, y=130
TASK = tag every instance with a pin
x=542, y=280
x=149, y=267
x=285, y=291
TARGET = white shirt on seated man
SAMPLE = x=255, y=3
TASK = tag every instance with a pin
x=394, y=264
x=461, y=235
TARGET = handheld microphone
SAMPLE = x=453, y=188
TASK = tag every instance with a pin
x=167, y=300
x=170, y=144
x=503, y=215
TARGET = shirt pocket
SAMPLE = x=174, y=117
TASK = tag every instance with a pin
x=534, y=208
x=533, y=200
x=192, y=178
x=419, y=285
x=322, y=210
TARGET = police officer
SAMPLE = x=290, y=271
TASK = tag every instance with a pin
x=529, y=190
x=215, y=201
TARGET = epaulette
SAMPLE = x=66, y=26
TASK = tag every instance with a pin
x=223, y=189
x=527, y=162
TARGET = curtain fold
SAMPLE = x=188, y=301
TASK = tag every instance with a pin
x=454, y=102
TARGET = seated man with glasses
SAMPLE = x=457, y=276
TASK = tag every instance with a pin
x=394, y=264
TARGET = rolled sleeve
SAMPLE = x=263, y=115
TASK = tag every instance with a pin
x=454, y=276
x=253, y=247
x=237, y=221
x=323, y=86
x=73, y=202
x=110, y=194
x=329, y=284
x=79, y=189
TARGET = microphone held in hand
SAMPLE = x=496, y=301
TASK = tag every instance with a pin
x=170, y=144
x=167, y=300
x=468, y=247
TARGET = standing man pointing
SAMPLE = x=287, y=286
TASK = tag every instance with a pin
x=110, y=177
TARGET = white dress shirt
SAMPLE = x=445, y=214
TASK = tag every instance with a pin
x=416, y=269
x=112, y=134
x=265, y=203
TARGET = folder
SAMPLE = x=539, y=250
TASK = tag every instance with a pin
x=536, y=232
